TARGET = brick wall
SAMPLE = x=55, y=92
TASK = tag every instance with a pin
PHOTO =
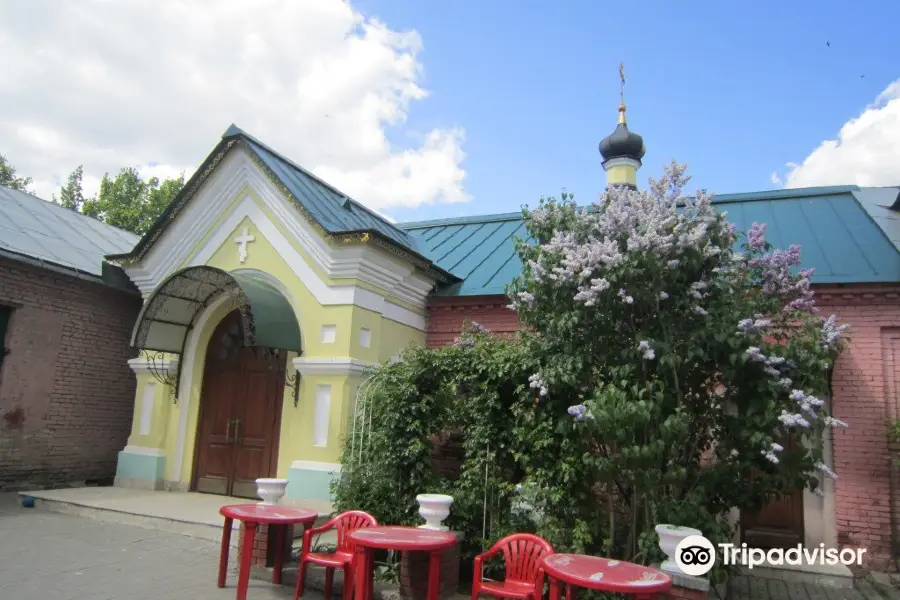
x=263, y=552
x=66, y=391
x=446, y=316
x=447, y=454
x=414, y=569
x=866, y=395
x=865, y=383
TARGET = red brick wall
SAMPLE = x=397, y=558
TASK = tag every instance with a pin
x=865, y=383
x=866, y=395
x=414, y=569
x=263, y=553
x=66, y=391
x=446, y=316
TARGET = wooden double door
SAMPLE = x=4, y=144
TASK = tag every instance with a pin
x=240, y=413
x=778, y=524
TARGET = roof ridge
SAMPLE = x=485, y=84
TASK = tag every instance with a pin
x=461, y=220
x=765, y=195
x=785, y=193
x=234, y=130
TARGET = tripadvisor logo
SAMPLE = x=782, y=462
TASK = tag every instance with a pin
x=695, y=555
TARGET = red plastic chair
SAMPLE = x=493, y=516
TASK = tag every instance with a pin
x=522, y=553
x=341, y=558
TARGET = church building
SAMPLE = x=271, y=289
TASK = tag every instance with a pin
x=267, y=294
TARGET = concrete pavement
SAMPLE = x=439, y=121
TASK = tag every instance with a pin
x=64, y=557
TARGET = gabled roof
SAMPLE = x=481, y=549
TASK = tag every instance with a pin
x=335, y=213
x=847, y=234
x=47, y=234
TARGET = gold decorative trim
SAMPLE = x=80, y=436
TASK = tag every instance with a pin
x=331, y=238
x=346, y=238
x=182, y=201
x=294, y=202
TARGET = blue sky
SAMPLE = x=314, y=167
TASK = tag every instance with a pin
x=736, y=90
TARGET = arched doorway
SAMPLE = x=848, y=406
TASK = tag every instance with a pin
x=240, y=412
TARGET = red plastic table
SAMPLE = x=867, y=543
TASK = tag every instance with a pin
x=252, y=516
x=595, y=573
x=407, y=539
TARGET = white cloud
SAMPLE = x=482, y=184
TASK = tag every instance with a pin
x=866, y=151
x=153, y=84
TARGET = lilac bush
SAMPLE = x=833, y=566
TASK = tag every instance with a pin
x=682, y=366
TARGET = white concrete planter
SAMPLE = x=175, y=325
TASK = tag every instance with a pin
x=434, y=508
x=271, y=490
x=669, y=538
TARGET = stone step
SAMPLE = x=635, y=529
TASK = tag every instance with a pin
x=184, y=513
x=200, y=530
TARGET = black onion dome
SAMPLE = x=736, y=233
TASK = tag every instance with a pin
x=622, y=143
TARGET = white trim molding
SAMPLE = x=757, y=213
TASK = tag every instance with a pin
x=364, y=263
x=620, y=161
x=329, y=334
x=309, y=465
x=322, y=416
x=147, y=402
x=141, y=365
x=143, y=450
x=343, y=365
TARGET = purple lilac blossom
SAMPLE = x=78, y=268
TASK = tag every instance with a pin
x=756, y=237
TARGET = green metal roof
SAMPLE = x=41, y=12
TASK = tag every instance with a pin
x=331, y=209
x=847, y=234
x=48, y=235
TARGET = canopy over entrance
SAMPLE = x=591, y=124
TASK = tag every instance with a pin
x=171, y=311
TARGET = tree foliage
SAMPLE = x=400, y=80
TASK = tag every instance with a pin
x=669, y=371
x=692, y=374
x=125, y=201
x=71, y=195
x=473, y=387
x=9, y=178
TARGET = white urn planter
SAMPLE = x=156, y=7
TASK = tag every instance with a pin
x=669, y=538
x=271, y=490
x=434, y=508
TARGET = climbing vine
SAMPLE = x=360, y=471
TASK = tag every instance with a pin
x=468, y=388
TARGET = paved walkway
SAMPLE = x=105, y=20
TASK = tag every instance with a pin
x=63, y=557
x=756, y=588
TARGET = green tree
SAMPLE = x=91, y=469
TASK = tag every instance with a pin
x=71, y=195
x=674, y=370
x=128, y=202
x=665, y=374
x=9, y=179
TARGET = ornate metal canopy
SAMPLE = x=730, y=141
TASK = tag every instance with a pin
x=171, y=311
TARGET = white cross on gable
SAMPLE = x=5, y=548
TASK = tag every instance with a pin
x=242, y=241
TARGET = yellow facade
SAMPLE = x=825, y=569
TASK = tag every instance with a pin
x=623, y=174
x=338, y=341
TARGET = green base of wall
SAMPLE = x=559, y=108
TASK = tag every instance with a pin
x=136, y=468
x=311, y=483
